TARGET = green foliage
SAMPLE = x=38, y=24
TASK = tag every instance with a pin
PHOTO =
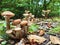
x=3, y=30
x=35, y=6
x=55, y=30
x=33, y=28
x=54, y=6
x=2, y=25
x=3, y=43
x=18, y=7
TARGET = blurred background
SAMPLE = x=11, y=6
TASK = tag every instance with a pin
x=34, y=6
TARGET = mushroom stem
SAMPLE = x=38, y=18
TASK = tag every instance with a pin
x=18, y=33
x=7, y=23
x=25, y=29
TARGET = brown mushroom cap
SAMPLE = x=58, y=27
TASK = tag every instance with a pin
x=41, y=32
x=23, y=23
x=8, y=14
x=17, y=21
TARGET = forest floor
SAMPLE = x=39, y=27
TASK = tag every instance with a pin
x=55, y=22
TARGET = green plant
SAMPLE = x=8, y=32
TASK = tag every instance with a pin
x=55, y=30
x=3, y=43
x=33, y=28
x=3, y=30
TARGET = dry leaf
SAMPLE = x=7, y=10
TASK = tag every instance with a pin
x=36, y=38
x=54, y=39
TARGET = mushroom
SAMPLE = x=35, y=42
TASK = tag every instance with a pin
x=7, y=15
x=32, y=18
x=24, y=26
x=49, y=25
x=30, y=14
x=10, y=33
x=26, y=11
x=17, y=22
x=15, y=33
x=41, y=32
x=46, y=12
x=18, y=33
x=26, y=14
x=24, y=23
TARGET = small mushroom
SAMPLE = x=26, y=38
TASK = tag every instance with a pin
x=49, y=25
x=32, y=18
x=46, y=12
x=9, y=32
x=24, y=26
x=30, y=14
x=24, y=23
x=26, y=11
x=16, y=22
x=7, y=15
x=18, y=33
x=41, y=32
x=26, y=15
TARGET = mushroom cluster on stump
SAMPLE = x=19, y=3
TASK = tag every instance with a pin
x=7, y=15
